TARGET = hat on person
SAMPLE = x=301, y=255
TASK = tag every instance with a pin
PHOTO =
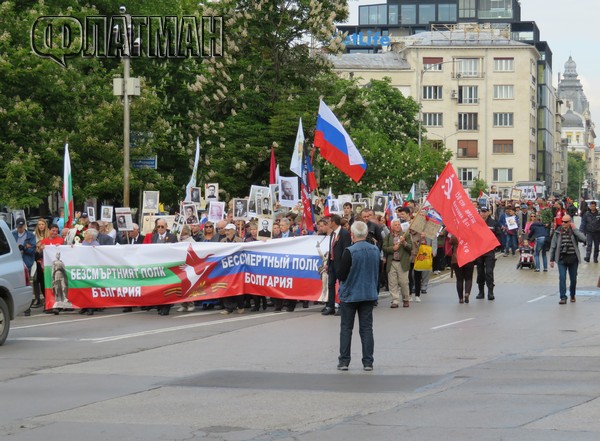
x=484, y=209
x=84, y=215
x=20, y=222
x=229, y=227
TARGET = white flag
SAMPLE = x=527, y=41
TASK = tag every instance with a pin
x=193, y=179
x=296, y=163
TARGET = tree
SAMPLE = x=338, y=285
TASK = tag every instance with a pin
x=479, y=185
x=577, y=174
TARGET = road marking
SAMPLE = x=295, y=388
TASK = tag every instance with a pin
x=65, y=322
x=177, y=328
x=453, y=323
x=537, y=298
x=39, y=339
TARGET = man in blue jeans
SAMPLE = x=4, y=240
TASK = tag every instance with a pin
x=358, y=293
x=565, y=251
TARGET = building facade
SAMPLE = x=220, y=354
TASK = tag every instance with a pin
x=508, y=131
x=578, y=131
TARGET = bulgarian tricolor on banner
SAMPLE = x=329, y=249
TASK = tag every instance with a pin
x=68, y=190
x=157, y=274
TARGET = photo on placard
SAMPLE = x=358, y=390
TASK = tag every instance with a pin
x=288, y=195
x=124, y=219
x=366, y=202
x=6, y=218
x=356, y=197
x=357, y=208
x=265, y=228
x=91, y=212
x=196, y=194
x=190, y=213
x=263, y=205
x=256, y=191
x=150, y=201
x=379, y=204
x=211, y=192
x=215, y=211
x=240, y=209
x=274, y=193
x=17, y=214
x=334, y=206
x=106, y=213
x=343, y=198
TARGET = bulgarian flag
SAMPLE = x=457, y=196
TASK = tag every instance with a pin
x=411, y=193
x=68, y=190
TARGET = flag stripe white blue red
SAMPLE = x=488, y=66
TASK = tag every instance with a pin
x=336, y=146
x=68, y=190
x=460, y=217
x=193, y=179
x=308, y=215
x=326, y=210
x=296, y=162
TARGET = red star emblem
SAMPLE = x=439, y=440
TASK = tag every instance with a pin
x=193, y=272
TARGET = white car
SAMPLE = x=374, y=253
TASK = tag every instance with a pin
x=15, y=286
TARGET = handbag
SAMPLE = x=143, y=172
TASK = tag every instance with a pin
x=424, y=258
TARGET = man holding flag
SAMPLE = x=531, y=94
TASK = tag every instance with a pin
x=476, y=233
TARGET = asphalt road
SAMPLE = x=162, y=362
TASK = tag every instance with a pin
x=519, y=368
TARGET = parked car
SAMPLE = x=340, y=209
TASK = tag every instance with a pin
x=15, y=287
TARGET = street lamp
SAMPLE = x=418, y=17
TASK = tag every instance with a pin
x=420, y=96
x=124, y=87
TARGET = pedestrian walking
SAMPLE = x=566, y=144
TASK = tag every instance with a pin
x=565, y=251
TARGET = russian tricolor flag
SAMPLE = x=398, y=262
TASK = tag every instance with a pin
x=336, y=146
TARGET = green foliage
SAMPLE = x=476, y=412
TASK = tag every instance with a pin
x=479, y=185
x=240, y=105
x=577, y=174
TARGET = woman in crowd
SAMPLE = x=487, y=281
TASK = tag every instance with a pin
x=464, y=274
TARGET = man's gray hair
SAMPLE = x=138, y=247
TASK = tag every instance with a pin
x=92, y=232
x=359, y=229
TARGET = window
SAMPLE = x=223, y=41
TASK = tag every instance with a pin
x=4, y=245
x=447, y=13
x=432, y=92
x=468, y=67
x=466, y=9
x=467, y=95
x=426, y=13
x=502, y=175
x=393, y=14
x=408, y=14
x=504, y=92
x=495, y=9
x=372, y=15
x=467, y=175
x=503, y=119
x=432, y=63
x=503, y=146
x=433, y=119
x=467, y=121
x=504, y=64
x=467, y=149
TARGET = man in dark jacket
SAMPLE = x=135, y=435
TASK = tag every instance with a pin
x=340, y=240
x=357, y=273
x=590, y=226
x=487, y=262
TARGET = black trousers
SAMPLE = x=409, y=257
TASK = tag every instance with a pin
x=485, y=271
x=365, y=328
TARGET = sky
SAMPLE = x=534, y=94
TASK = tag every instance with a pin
x=569, y=27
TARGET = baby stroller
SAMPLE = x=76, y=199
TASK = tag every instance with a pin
x=526, y=259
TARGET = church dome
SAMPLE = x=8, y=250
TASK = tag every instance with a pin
x=570, y=67
x=570, y=119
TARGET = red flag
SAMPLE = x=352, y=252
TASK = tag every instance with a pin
x=273, y=174
x=460, y=217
